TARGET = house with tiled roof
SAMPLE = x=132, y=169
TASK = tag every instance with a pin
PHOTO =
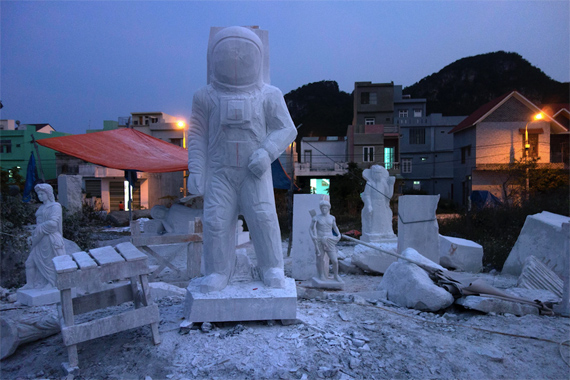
x=500, y=132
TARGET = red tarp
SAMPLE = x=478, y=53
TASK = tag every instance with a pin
x=124, y=149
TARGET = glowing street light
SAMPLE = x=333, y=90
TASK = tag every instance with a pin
x=182, y=125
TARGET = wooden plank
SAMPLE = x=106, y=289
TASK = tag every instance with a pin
x=106, y=255
x=64, y=264
x=130, y=252
x=110, y=325
x=67, y=311
x=83, y=260
x=122, y=270
x=105, y=298
x=142, y=240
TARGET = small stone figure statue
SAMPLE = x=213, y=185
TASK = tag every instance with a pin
x=47, y=241
x=376, y=213
x=321, y=229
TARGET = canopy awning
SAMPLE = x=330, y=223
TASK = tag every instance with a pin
x=124, y=149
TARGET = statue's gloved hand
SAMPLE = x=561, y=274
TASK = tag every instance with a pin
x=259, y=162
x=195, y=184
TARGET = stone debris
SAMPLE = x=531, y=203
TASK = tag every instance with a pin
x=206, y=327
x=460, y=254
x=536, y=275
x=496, y=305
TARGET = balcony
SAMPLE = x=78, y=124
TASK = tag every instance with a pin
x=306, y=169
x=97, y=171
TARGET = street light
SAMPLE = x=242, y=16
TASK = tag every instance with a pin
x=536, y=117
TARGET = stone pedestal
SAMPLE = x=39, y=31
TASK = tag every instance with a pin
x=417, y=225
x=69, y=192
x=327, y=284
x=250, y=301
x=38, y=297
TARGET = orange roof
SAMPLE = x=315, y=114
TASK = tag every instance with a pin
x=124, y=149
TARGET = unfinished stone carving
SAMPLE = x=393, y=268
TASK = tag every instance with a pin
x=417, y=225
x=47, y=241
x=321, y=231
x=239, y=126
x=376, y=214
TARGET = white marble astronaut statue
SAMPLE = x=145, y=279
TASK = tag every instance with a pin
x=239, y=126
x=376, y=213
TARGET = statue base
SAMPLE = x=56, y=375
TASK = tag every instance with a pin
x=39, y=297
x=379, y=238
x=242, y=301
x=329, y=284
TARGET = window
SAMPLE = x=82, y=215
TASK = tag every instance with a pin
x=406, y=165
x=368, y=154
x=389, y=155
x=417, y=136
x=531, y=150
x=308, y=156
x=154, y=120
x=5, y=146
x=417, y=185
x=417, y=112
x=177, y=142
x=465, y=152
x=369, y=121
x=368, y=98
x=403, y=113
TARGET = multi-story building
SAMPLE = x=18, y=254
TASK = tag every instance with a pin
x=498, y=133
x=16, y=146
x=426, y=157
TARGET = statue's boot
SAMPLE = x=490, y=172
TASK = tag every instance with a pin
x=213, y=282
x=274, y=278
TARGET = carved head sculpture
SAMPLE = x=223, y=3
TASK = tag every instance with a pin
x=46, y=189
x=236, y=57
x=324, y=203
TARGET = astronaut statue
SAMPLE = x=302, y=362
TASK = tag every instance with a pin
x=376, y=213
x=239, y=126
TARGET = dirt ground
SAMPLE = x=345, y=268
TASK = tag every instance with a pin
x=338, y=335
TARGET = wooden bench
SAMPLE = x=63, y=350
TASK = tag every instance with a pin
x=102, y=265
x=193, y=250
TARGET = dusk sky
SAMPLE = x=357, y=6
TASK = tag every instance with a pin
x=75, y=64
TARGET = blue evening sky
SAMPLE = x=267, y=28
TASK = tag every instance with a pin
x=74, y=64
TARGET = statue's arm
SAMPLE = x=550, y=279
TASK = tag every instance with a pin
x=335, y=229
x=51, y=224
x=280, y=131
x=197, y=144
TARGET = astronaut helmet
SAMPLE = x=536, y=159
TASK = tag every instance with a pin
x=236, y=57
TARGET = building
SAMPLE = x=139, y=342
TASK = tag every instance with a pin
x=379, y=111
x=498, y=133
x=16, y=146
x=426, y=152
x=109, y=185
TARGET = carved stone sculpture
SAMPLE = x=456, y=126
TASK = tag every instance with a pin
x=376, y=214
x=239, y=126
x=321, y=231
x=47, y=241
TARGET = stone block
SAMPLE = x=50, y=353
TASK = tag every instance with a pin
x=417, y=225
x=496, y=305
x=162, y=289
x=545, y=237
x=327, y=284
x=346, y=266
x=70, y=193
x=241, y=302
x=460, y=254
x=38, y=297
x=410, y=286
x=372, y=260
x=304, y=262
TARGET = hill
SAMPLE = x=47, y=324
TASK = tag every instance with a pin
x=466, y=84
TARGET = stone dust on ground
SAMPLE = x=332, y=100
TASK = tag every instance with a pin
x=338, y=335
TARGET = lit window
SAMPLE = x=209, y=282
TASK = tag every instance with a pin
x=417, y=135
x=532, y=147
x=369, y=121
x=389, y=155
x=368, y=154
x=403, y=113
x=424, y=158
x=417, y=185
x=406, y=165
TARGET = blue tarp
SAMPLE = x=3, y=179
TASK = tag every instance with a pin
x=281, y=179
x=482, y=198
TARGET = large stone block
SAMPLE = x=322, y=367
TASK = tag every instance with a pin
x=250, y=301
x=70, y=193
x=545, y=236
x=417, y=225
x=372, y=260
x=462, y=254
x=304, y=262
x=410, y=286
